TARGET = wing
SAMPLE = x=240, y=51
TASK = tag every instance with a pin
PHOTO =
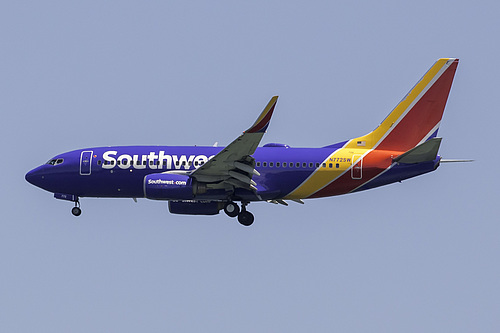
x=234, y=165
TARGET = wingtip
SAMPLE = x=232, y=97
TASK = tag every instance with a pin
x=262, y=122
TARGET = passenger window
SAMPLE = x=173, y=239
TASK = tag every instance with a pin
x=278, y=164
x=271, y=164
x=264, y=164
x=310, y=165
x=337, y=165
x=144, y=162
x=304, y=165
x=99, y=162
x=330, y=165
x=324, y=165
x=297, y=165
x=317, y=165
x=284, y=164
x=258, y=164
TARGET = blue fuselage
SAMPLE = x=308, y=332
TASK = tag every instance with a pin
x=120, y=171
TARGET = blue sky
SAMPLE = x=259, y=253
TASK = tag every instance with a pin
x=417, y=256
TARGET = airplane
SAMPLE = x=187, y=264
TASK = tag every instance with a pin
x=203, y=180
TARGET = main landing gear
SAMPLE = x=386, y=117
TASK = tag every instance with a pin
x=244, y=217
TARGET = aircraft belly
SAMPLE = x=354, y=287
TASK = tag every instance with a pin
x=399, y=172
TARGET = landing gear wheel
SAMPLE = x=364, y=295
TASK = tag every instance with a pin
x=231, y=209
x=76, y=211
x=245, y=218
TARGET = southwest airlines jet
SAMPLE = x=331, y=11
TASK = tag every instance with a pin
x=205, y=180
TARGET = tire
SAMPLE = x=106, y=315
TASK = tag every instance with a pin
x=245, y=218
x=76, y=211
x=231, y=209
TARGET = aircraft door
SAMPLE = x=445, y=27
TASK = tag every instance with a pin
x=86, y=163
x=357, y=167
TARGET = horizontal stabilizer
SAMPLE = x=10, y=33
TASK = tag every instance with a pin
x=424, y=152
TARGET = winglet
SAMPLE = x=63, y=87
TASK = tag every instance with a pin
x=261, y=124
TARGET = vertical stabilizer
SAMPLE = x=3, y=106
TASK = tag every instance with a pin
x=418, y=116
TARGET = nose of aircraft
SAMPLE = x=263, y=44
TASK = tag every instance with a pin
x=35, y=176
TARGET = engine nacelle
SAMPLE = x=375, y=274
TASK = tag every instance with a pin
x=164, y=186
x=190, y=207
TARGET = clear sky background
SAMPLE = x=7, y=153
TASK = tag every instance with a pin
x=421, y=256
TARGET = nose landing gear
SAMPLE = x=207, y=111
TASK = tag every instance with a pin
x=76, y=211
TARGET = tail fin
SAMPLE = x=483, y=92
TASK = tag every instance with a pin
x=417, y=117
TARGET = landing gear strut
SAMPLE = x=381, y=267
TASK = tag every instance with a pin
x=77, y=211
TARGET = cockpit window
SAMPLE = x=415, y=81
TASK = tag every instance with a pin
x=55, y=161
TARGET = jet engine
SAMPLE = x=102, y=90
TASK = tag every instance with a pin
x=164, y=186
x=190, y=207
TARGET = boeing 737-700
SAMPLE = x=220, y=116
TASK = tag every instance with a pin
x=205, y=180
